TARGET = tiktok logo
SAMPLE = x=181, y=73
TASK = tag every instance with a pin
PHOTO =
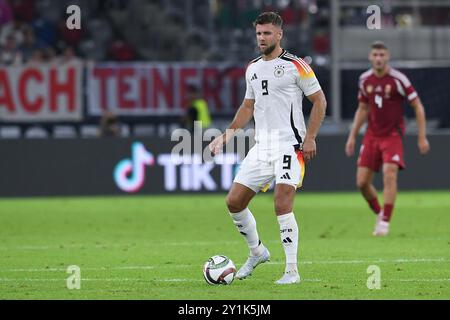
x=129, y=174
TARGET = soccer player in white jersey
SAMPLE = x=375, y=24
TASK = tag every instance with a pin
x=276, y=84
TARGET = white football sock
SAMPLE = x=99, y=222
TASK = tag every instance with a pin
x=246, y=224
x=289, y=239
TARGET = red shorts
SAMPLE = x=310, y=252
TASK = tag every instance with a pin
x=375, y=151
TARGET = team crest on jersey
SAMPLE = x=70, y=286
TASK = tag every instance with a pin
x=279, y=71
x=369, y=88
x=387, y=91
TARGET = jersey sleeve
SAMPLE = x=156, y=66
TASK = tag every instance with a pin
x=305, y=78
x=362, y=95
x=410, y=92
x=404, y=86
x=249, y=93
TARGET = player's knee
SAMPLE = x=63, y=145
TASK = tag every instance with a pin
x=283, y=206
x=389, y=177
x=234, y=203
x=362, y=184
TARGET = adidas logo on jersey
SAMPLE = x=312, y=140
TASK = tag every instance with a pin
x=254, y=77
x=396, y=158
x=378, y=89
x=286, y=176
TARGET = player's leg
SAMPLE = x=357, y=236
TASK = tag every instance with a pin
x=237, y=202
x=238, y=197
x=252, y=176
x=290, y=170
x=364, y=182
x=392, y=150
x=369, y=162
x=284, y=202
x=390, y=173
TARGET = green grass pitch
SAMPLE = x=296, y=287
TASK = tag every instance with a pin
x=153, y=247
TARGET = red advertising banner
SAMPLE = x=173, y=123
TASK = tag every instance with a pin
x=161, y=88
x=44, y=93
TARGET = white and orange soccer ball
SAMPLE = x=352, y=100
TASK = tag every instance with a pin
x=219, y=270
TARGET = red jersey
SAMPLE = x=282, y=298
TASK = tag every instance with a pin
x=385, y=97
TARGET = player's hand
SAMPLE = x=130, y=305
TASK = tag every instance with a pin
x=309, y=149
x=350, y=147
x=424, y=145
x=217, y=144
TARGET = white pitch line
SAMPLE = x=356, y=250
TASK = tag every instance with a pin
x=122, y=280
x=128, y=245
x=177, y=280
x=100, y=280
x=82, y=279
x=84, y=268
x=135, y=268
x=101, y=246
x=399, y=260
x=419, y=280
x=185, y=280
x=317, y=262
x=368, y=261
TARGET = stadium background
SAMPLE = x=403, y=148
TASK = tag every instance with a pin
x=136, y=60
x=58, y=82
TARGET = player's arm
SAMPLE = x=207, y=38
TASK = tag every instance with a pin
x=242, y=117
x=360, y=118
x=422, y=142
x=315, y=121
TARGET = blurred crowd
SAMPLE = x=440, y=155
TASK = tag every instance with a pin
x=34, y=31
x=25, y=38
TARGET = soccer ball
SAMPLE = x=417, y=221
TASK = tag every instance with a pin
x=219, y=270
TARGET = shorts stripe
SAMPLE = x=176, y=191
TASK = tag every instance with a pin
x=302, y=166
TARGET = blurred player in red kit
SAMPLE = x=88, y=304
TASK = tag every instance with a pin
x=382, y=92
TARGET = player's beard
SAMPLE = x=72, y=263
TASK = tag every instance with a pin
x=268, y=50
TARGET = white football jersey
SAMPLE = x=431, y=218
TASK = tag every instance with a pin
x=278, y=87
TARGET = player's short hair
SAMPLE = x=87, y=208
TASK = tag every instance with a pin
x=378, y=45
x=269, y=17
